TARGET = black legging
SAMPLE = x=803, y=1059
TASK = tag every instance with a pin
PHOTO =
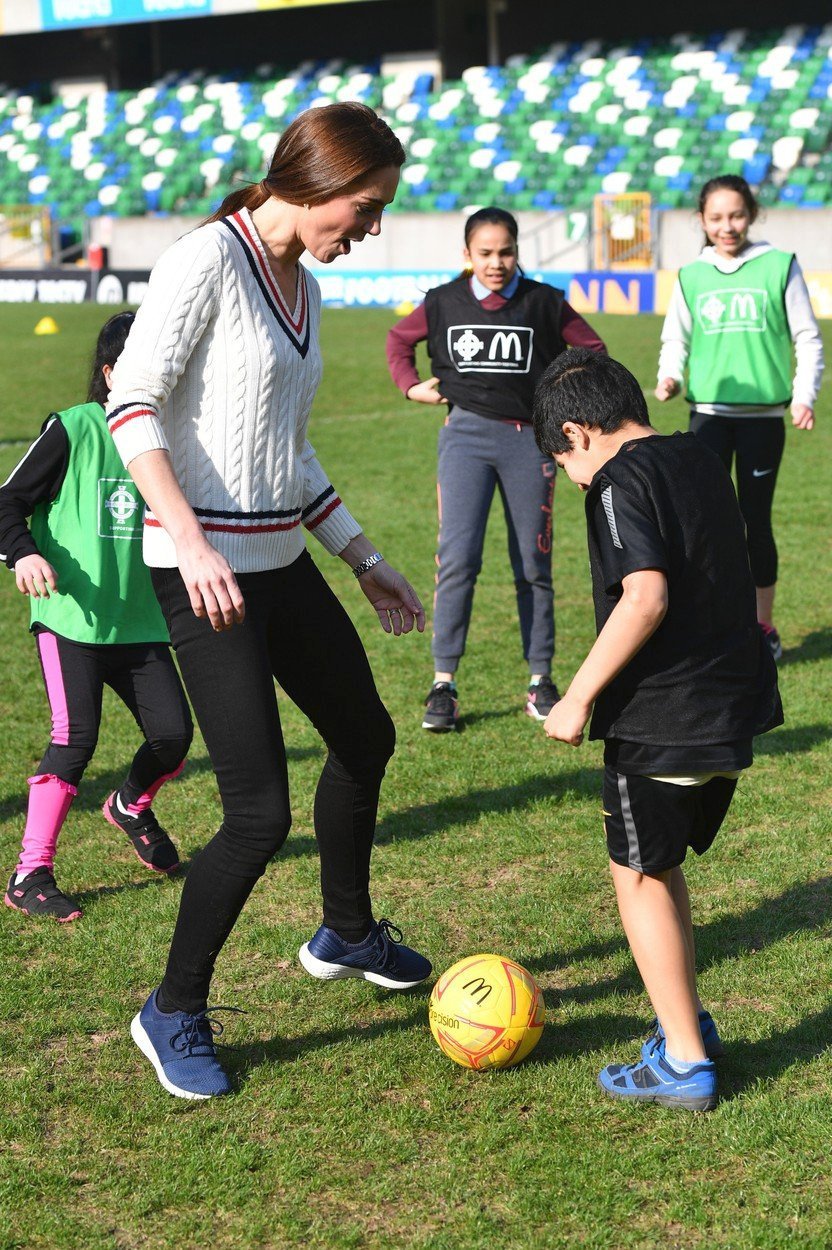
x=296, y=631
x=757, y=443
x=144, y=677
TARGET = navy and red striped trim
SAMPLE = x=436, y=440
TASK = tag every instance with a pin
x=316, y=504
x=217, y=521
x=296, y=332
x=126, y=412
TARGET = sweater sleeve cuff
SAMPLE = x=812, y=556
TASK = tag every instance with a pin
x=331, y=523
x=136, y=428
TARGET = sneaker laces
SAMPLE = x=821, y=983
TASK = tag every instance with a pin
x=441, y=698
x=386, y=934
x=546, y=687
x=198, y=1032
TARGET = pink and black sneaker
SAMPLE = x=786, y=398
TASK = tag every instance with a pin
x=149, y=840
x=542, y=697
x=38, y=895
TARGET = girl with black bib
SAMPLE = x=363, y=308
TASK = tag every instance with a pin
x=490, y=334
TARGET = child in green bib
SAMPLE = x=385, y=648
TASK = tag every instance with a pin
x=96, y=622
x=734, y=316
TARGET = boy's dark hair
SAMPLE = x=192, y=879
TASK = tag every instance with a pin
x=588, y=388
x=111, y=340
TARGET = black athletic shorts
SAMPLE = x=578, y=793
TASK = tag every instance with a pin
x=650, y=824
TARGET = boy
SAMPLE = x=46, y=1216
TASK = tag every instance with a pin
x=679, y=677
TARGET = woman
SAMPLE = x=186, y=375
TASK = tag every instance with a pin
x=490, y=334
x=209, y=408
x=735, y=314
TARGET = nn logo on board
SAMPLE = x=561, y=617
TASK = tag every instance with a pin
x=491, y=349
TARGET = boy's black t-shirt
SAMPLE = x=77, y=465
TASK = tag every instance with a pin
x=705, y=682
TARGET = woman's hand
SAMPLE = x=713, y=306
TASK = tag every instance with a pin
x=567, y=720
x=426, y=392
x=35, y=576
x=211, y=584
x=393, y=598
x=803, y=417
x=667, y=388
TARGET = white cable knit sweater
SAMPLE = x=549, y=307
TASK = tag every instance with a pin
x=221, y=374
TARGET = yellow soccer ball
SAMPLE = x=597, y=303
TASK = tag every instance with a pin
x=486, y=1012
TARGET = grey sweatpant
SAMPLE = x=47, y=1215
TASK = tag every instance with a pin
x=477, y=454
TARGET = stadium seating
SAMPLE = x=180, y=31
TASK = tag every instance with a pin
x=545, y=132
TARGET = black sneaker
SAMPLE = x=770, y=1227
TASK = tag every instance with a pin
x=542, y=697
x=441, y=708
x=150, y=841
x=38, y=895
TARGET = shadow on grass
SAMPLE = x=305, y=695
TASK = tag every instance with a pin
x=815, y=646
x=98, y=786
x=244, y=1059
x=746, y=1063
x=426, y=819
x=801, y=908
x=790, y=740
x=95, y=893
x=469, y=719
x=557, y=1040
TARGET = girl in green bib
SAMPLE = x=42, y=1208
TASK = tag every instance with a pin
x=96, y=622
x=735, y=316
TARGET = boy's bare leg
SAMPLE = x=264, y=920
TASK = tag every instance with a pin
x=660, y=945
x=679, y=890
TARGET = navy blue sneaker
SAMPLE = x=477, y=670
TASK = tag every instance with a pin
x=181, y=1049
x=710, y=1037
x=380, y=958
x=653, y=1079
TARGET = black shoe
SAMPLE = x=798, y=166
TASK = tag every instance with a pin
x=38, y=895
x=542, y=697
x=441, y=708
x=150, y=841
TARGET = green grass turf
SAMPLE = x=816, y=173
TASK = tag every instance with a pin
x=348, y=1127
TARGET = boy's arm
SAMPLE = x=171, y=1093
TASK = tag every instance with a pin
x=635, y=618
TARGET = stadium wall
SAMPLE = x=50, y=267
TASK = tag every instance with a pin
x=390, y=270
x=546, y=239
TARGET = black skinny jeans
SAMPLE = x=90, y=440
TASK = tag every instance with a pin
x=756, y=445
x=296, y=631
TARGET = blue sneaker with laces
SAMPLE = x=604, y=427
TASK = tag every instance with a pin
x=181, y=1049
x=380, y=958
x=710, y=1037
x=654, y=1079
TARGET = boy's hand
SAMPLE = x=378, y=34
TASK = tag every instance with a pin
x=567, y=720
x=667, y=388
x=35, y=576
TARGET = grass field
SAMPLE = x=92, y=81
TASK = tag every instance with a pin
x=348, y=1128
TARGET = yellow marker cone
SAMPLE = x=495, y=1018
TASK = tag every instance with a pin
x=404, y=309
x=47, y=325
